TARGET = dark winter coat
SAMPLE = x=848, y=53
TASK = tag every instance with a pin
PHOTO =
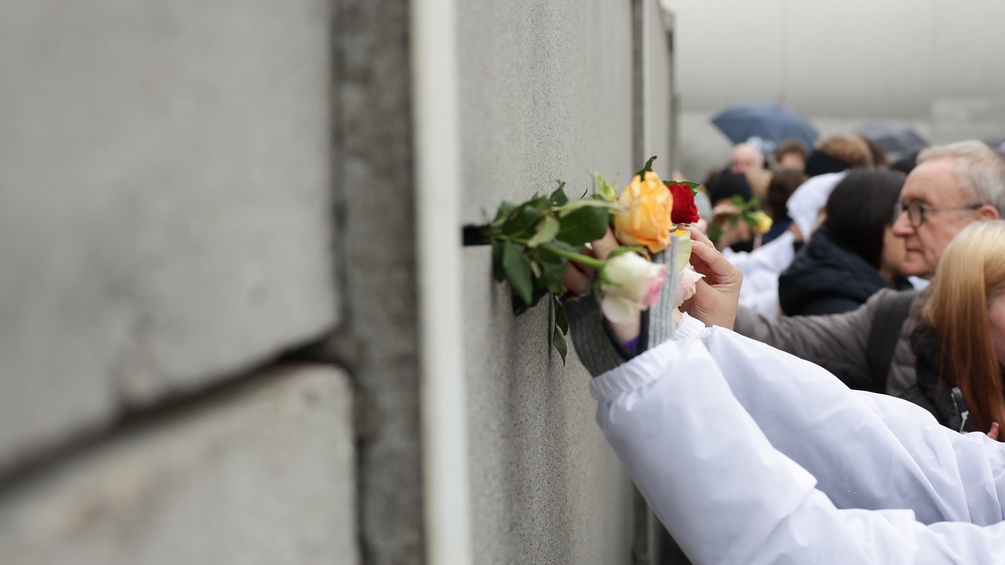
x=828, y=277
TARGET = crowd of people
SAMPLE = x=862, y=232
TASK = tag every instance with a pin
x=856, y=418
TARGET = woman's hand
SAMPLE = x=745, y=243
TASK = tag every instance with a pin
x=577, y=277
x=732, y=229
x=718, y=294
x=993, y=432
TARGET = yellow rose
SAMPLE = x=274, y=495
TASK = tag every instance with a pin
x=645, y=219
x=762, y=223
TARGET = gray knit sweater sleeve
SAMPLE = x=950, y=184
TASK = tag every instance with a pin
x=597, y=346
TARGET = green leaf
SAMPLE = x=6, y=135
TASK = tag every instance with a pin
x=547, y=229
x=561, y=320
x=504, y=210
x=587, y=203
x=714, y=232
x=521, y=220
x=519, y=306
x=517, y=268
x=535, y=268
x=622, y=249
x=551, y=276
x=559, y=342
x=607, y=192
x=648, y=168
x=558, y=198
x=583, y=225
x=497, y=261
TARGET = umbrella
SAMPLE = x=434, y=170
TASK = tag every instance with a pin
x=892, y=137
x=770, y=122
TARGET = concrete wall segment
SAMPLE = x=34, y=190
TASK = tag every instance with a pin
x=375, y=199
x=546, y=487
x=164, y=202
x=546, y=95
x=261, y=474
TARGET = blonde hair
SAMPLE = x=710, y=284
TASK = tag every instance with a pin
x=970, y=273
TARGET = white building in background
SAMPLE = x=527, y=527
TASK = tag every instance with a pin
x=930, y=63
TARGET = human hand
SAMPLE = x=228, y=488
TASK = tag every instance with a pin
x=718, y=294
x=732, y=230
x=993, y=432
x=576, y=279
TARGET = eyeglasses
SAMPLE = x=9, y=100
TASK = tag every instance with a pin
x=916, y=211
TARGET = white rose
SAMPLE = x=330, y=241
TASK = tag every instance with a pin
x=629, y=284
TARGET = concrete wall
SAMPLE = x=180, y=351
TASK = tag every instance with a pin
x=166, y=237
x=547, y=93
x=210, y=306
x=840, y=63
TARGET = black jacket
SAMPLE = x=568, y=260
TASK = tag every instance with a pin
x=934, y=390
x=827, y=277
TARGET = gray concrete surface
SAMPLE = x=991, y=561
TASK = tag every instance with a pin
x=164, y=202
x=260, y=474
x=375, y=199
x=546, y=95
x=546, y=487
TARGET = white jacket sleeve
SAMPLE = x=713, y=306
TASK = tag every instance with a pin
x=694, y=422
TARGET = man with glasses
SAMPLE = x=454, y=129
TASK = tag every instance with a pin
x=869, y=348
x=951, y=186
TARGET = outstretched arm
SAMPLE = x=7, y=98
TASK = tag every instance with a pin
x=729, y=496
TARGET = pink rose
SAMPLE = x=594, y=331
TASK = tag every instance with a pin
x=629, y=284
x=686, y=287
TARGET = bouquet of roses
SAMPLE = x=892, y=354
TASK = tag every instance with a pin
x=532, y=243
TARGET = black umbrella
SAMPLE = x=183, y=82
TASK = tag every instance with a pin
x=769, y=122
x=892, y=137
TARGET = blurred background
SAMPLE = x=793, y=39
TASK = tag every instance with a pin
x=237, y=322
x=928, y=65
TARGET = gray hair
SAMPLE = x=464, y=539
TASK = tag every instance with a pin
x=979, y=169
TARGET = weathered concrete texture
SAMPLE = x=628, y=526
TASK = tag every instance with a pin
x=658, y=90
x=375, y=193
x=261, y=474
x=164, y=201
x=546, y=487
x=547, y=94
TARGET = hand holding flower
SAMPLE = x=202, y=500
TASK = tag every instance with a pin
x=718, y=295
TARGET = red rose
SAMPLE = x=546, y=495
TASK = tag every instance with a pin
x=684, y=211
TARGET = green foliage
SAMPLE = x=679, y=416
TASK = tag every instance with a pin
x=533, y=242
x=648, y=168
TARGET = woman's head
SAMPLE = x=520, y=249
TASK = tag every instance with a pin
x=860, y=211
x=967, y=309
x=783, y=183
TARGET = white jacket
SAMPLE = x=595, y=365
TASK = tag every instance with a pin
x=750, y=455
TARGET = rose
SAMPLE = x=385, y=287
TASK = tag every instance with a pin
x=645, y=218
x=687, y=286
x=684, y=209
x=629, y=284
x=762, y=222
